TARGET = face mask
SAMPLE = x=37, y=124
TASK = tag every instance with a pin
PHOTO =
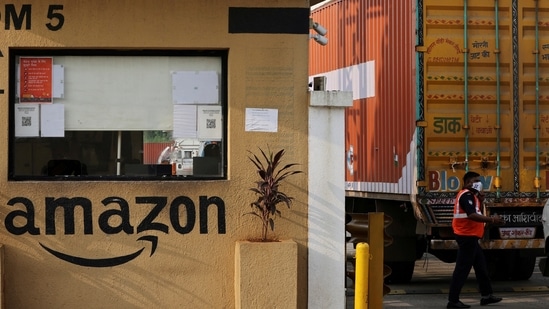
x=477, y=186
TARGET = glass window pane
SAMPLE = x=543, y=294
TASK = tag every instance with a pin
x=117, y=115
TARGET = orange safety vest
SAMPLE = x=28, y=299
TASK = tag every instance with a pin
x=461, y=224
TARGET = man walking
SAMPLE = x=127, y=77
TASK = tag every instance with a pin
x=468, y=224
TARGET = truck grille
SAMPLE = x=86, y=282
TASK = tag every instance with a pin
x=442, y=214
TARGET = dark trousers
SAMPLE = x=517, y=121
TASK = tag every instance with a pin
x=469, y=255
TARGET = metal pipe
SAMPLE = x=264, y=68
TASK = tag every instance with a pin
x=498, y=106
x=536, y=52
x=466, y=85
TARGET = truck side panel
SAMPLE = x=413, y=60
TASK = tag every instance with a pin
x=484, y=102
x=370, y=52
x=460, y=93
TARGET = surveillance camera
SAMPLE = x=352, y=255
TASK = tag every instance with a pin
x=319, y=29
x=322, y=40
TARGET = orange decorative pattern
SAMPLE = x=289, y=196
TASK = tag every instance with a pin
x=442, y=96
x=460, y=78
x=481, y=22
x=481, y=97
x=444, y=21
x=445, y=78
x=480, y=78
x=476, y=22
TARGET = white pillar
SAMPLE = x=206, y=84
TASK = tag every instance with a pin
x=327, y=198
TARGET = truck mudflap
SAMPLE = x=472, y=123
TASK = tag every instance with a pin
x=440, y=244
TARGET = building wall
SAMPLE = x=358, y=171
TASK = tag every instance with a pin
x=193, y=270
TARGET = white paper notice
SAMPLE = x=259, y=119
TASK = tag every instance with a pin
x=195, y=87
x=26, y=120
x=209, y=122
x=261, y=119
x=52, y=120
x=184, y=121
x=58, y=81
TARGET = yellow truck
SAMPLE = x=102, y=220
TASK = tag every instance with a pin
x=484, y=102
x=470, y=93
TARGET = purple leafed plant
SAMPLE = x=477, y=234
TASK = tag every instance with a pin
x=268, y=187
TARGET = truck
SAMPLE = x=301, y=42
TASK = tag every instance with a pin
x=441, y=88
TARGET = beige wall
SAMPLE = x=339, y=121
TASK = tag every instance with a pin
x=187, y=270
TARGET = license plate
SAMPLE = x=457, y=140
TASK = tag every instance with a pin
x=517, y=232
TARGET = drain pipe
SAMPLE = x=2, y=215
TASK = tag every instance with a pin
x=537, y=180
x=497, y=182
x=466, y=89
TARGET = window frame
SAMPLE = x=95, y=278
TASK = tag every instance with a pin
x=15, y=53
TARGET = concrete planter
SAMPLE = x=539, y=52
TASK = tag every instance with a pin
x=266, y=274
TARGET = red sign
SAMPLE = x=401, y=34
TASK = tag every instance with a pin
x=36, y=80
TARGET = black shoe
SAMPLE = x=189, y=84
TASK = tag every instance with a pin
x=457, y=304
x=490, y=300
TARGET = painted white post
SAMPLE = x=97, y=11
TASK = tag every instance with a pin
x=326, y=219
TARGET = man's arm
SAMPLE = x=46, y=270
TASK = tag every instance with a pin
x=482, y=218
x=467, y=203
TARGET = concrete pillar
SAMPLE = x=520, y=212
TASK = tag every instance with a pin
x=327, y=198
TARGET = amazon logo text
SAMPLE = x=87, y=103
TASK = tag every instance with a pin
x=113, y=220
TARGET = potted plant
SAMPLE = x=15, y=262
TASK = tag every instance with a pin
x=267, y=188
x=266, y=268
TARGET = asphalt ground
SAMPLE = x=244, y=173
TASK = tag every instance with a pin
x=429, y=289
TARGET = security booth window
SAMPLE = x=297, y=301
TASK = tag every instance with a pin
x=116, y=115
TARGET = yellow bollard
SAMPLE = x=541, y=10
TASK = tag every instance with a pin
x=361, y=275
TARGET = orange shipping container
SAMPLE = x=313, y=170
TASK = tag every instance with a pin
x=371, y=52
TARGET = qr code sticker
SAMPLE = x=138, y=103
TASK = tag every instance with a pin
x=26, y=121
x=210, y=123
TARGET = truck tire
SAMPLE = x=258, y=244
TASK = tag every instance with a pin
x=402, y=272
x=524, y=267
x=509, y=265
x=500, y=264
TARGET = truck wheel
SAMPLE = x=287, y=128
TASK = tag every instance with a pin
x=401, y=272
x=509, y=265
x=524, y=267
x=544, y=269
x=501, y=263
